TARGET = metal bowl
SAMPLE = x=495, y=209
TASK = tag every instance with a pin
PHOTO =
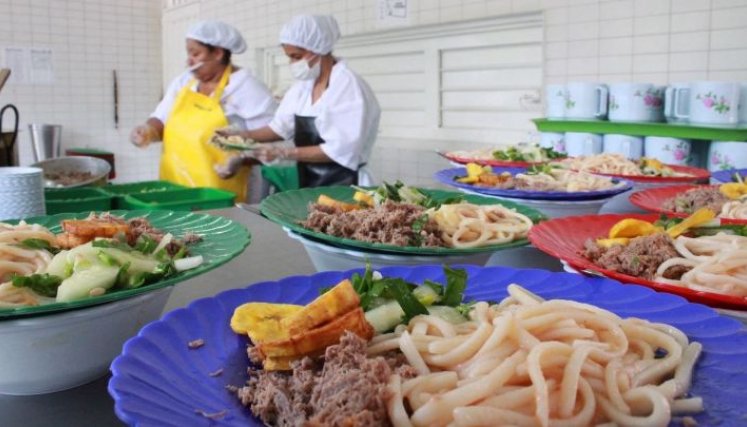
x=98, y=168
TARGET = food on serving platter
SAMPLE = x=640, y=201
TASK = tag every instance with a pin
x=66, y=178
x=543, y=177
x=523, y=361
x=522, y=152
x=405, y=216
x=730, y=200
x=91, y=257
x=233, y=142
x=695, y=253
x=616, y=164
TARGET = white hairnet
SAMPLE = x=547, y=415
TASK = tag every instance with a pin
x=317, y=33
x=216, y=33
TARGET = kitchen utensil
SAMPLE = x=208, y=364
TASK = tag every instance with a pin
x=710, y=103
x=8, y=149
x=67, y=167
x=91, y=152
x=4, y=74
x=45, y=140
x=116, y=100
x=149, y=379
x=631, y=147
x=555, y=96
x=582, y=144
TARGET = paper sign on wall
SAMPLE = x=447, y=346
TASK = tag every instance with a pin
x=30, y=66
x=392, y=12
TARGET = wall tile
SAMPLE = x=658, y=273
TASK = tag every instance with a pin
x=688, y=61
x=690, y=5
x=722, y=60
x=658, y=24
x=583, y=13
x=583, y=31
x=729, y=39
x=616, y=28
x=691, y=21
x=616, y=9
x=723, y=4
x=652, y=7
x=729, y=18
x=615, y=64
x=683, y=42
x=617, y=46
x=648, y=63
x=651, y=44
x=583, y=48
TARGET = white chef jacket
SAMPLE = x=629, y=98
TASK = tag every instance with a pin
x=246, y=102
x=347, y=117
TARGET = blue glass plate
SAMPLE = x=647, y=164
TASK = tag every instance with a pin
x=159, y=381
x=447, y=177
x=726, y=176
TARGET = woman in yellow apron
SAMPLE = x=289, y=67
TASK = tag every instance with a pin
x=212, y=94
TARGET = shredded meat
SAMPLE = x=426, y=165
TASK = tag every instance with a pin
x=640, y=258
x=696, y=198
x=344, y=388
x=390, y=223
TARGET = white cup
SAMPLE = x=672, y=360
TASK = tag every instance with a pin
x=586, y=101
x=582, y=144
x=742, y=104
x=670, y=151
x=710, y=103
x=553, y=140
x=724, y=155
x=636, y=102
x=555, y=96
x=626, y=145
x=682, y=101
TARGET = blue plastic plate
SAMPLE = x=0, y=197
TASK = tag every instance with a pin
x=159, y=381
x=447, y=177
x=726, y=176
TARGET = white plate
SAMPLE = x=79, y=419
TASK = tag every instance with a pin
x=332, y=258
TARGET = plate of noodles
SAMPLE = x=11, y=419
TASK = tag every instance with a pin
x=704, y=266
x=538, y=183
x=673, y=362
x=646, y=170
x=397, y=218
x=66, y=261
x=519, y=155
x=682, y=200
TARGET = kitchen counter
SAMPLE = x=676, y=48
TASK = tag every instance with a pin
x=270, y=256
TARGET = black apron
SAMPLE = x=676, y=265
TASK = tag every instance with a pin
x=318, y=174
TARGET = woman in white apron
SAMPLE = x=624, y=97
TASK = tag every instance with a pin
x=211, y=95
x=330, y=112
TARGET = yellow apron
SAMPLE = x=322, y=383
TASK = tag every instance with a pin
x=188, y=158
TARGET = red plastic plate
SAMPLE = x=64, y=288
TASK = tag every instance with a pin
x=653, y=199
x=564, y=238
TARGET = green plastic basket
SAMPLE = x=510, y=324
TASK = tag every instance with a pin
x=76, y=200
x=119, y=191
x=190, y=199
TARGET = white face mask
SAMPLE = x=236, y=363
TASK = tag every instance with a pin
x=300, y=70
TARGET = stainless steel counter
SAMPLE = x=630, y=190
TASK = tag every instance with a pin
x=270, y=256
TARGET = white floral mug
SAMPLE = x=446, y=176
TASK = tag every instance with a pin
x=553, y=140
x=710, y=103
x=684, y=106
x=724, y=155
x=631, y=147
x=555, y=98
x=582, y=144
x=586, y=101
x=671, y=151
x=743, y=104
x=636, y=102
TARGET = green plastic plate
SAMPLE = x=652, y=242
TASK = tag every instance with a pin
x=289, y=208
x=222, y=240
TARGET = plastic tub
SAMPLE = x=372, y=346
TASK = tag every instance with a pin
x=76, y=200
x=119, y=191
x=190, y=199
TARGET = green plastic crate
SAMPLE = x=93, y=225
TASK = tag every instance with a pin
x=76, y=200
x=119, y=191
x=190, y=199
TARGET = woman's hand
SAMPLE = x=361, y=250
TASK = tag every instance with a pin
x=230, y=168
x=143, y=135
x=232, y=132
x=271, y=154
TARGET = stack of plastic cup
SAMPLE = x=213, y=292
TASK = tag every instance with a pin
x=21, y=192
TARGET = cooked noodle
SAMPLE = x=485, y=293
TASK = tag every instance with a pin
x=615, y=164
x=718, y=264
x=563, y=180
x=15, y=259
x=530, y=362
x=735, y=209
x=465, y=225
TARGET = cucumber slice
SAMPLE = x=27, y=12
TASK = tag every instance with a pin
x=79, y=285
x=426, y=295
x=385, y=317
x=449, y=314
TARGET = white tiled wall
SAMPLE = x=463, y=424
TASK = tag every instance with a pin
x=89, y=39
x=606, y=40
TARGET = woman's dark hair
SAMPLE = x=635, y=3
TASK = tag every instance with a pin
x=226, y=53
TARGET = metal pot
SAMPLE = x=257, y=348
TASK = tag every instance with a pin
x=98, y=168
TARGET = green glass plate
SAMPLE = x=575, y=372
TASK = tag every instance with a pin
x=222, y=240
x=289, y=208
